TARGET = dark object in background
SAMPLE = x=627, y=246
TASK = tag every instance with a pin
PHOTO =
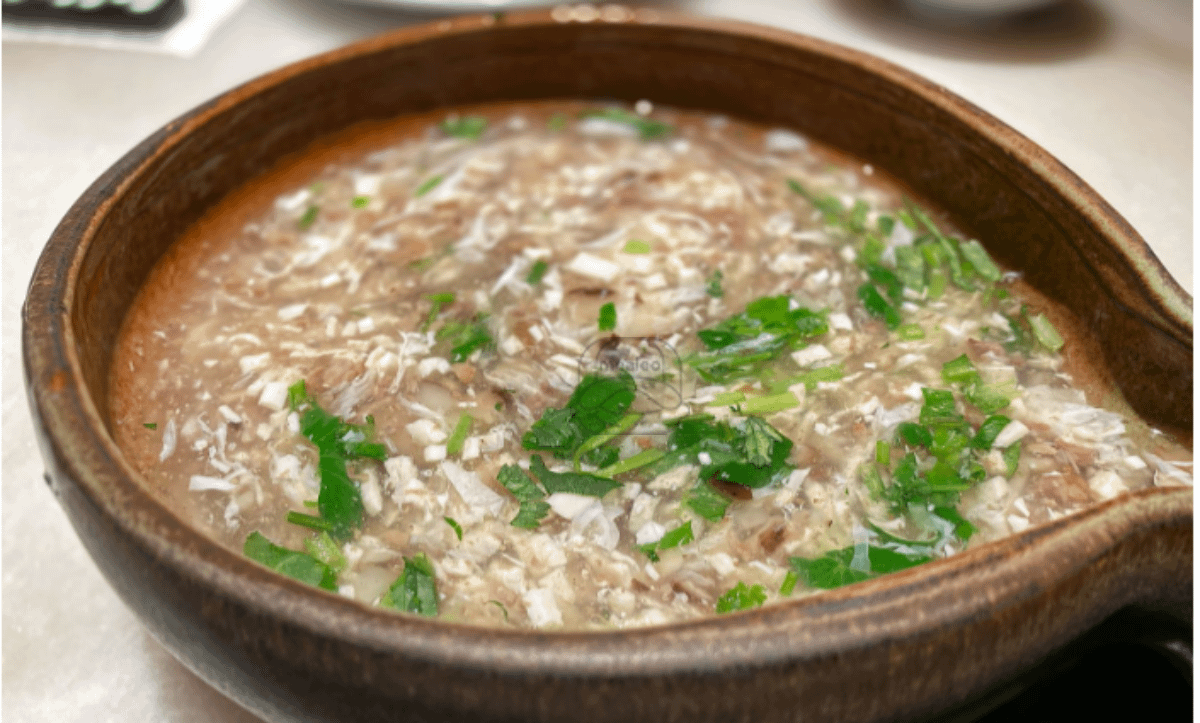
x=135, y=15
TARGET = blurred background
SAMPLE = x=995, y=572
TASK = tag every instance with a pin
x=1104, y=85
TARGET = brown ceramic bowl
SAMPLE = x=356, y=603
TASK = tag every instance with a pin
x=904, y=645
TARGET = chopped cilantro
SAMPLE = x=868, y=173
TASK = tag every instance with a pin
x=470, y=127
x=959, y=371
x=672, y=538
x=578, y=483
x=537, y=272
x=597, y=403
x=339, y=500
x=437, y=302
x=503, y=609
x=1012, y=457
x=608, y=317
x=713, y=282
x=531, y=514
x=636, y=246
x=647, y=128
x=706, y=501
x=1045, y=332
x=974, y=253
x=754, y=455
x=531, y=497
x=323, y=549
x=910, y=332
x=458, y=531
x=641, y=459
x=743, y=344
x=882, y=277
x=623, y=425
x=770, y=404
x=789, y=583
x=988, y=431
x=415, y=591
x=741, y=597
x=309, y=521
x=840, y=567
x=962, y=528
x=829, y=206
x=465, y=337
x=910, y=267
x=427, y=185
x=150, y=425
x=360, y=201
x=877, y=306
x=310, y=216
x=292, y=563
x=454, y=445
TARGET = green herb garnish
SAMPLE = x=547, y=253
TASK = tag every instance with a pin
x=292, y=563
x=454, y=445
x=337, y=441
x=470, y=127
x=437, y=303
x=458, y=531
x=839, y=567
x=323, y=549
x=743, y=344
x=415, y=591
x=465, y=337
x=647, y=128
x=672, y=538
x=706, y=501
x=150, y=425
x=636, y=246
x=753, y=455
x=360, y=201
x=713, y=284
x=597, y=403
x=537, y=272
x=741, y=597
x=608, y=317
x=427, y=185
x=531, y=497
x=577, y=483
x=309, y=217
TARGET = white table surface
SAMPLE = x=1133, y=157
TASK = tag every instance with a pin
x=1112, y=98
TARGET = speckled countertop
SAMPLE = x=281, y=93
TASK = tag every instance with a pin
x=1106, y=87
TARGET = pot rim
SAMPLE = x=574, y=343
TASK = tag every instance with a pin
x=946, y=591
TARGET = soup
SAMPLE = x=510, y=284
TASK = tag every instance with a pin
x=577, y=366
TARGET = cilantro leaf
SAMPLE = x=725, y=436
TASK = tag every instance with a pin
x=415, y=591
x=741, y=597
x=647, y=128
x=339, y=500
x=470, y=127
x=744, y=343
x=530, y=514
x=537, y=272
x=713, y=284
x=579, y=483
x=464, y=337
x=608, y=317
x=672, y=538
x=292, y=563
x=838, y=567
x=598, y=403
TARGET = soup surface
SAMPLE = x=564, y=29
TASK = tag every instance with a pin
x=575, y=366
